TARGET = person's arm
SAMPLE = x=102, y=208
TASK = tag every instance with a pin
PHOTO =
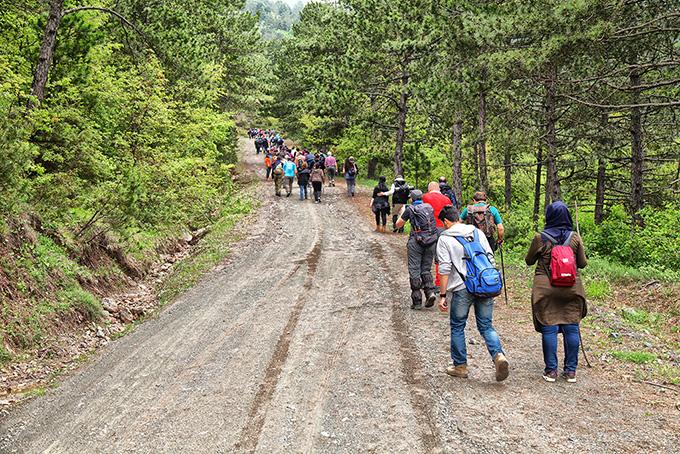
x=463, y=214
x=402, y=219
x=443, y=283
x=499, y=224
x=534, y=250
x=390, y=192
x=445, y=266
x=581, y=259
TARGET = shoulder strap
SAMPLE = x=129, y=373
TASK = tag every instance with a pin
x=567, y=242
x=549, y=237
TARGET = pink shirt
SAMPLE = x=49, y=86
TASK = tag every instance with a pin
x=330, y=162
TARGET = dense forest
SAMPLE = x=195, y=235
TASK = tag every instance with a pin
x=530, y=101
x=276, y=17
x=117, y=135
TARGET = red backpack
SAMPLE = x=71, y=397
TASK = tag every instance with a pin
x=562, y=271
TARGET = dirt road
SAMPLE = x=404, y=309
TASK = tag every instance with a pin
x=303, y=342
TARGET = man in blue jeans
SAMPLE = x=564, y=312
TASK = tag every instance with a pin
x=451, y=267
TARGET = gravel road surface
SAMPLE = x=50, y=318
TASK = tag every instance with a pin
x=302, y=341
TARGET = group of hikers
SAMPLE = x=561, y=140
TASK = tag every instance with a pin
x=285, y=165
x=462, y=244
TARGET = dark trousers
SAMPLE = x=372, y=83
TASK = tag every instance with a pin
x=317, y=190
x=381, y=216
x=269, y=172
x=420, y=269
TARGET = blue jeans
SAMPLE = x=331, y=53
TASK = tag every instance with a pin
x=460, y=308
x=571, y=345
x=303, y=192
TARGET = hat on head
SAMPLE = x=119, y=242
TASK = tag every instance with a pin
x=399, y=178
x=416, y=194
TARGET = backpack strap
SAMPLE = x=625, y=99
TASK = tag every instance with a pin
x=567, y=242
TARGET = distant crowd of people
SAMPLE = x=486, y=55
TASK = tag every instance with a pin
x=462, y=244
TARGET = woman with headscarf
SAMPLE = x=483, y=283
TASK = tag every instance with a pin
x=557, y=309
x=380, y=204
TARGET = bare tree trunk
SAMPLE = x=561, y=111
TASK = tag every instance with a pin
x=42, y=69
x=401, y=124
x=371, y=167
x=475, y=163
x=553, y=189
x=637, y=151
x=483, y=176
x=537, y=186
x=457, y=182
x=600, y=189
x=507, y=162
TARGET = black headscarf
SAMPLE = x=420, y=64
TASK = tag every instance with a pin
x=558, y=223
x=382, y=186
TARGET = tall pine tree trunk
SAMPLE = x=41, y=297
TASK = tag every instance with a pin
x=483, y=176
x=475, y=163
x=600, y=189
x=457, y=182
x=46, y=57
x=637, y=151
x=401, y=124
x=537, y=186
x=552, y=188
x=507, y=162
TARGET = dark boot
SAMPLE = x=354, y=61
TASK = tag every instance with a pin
x=416, y=295
x=429, y=289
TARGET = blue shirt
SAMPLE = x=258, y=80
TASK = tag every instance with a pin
x=289, y=169
x=494, y=212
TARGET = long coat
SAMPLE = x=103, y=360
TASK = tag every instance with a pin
x=555, y=305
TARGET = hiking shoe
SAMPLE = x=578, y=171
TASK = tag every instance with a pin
x=570, y=377
x=431, y=298
x=416, y=307
x=502, y=367
x=550, y=376
x=457, y=371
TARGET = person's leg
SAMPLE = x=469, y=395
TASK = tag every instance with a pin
x=377, y=219
x=458, y=314
x=383, y=215
x=572, y=342
x=484, y=317
x=277, y=184
x=414, y=257
x=549, y=338
x=317, y=191
x=302, y=192
x=290, y=185
x=426, y=272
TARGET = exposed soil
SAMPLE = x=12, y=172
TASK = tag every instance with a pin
x=302, y=341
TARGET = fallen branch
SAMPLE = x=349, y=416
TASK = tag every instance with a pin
x=660, y=385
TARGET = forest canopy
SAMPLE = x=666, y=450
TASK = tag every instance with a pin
x=530, y=101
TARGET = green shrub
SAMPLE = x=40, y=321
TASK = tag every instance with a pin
x=598, y=289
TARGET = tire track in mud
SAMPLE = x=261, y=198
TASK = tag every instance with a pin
x=411, y=367
x=250, y=435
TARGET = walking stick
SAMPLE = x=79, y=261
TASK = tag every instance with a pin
x=505, y=282
x=583, y=350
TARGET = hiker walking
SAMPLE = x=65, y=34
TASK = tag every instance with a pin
x=303, y=180
x=277, y=172
x=486, y=218
x=331, y=168
x=318, y=179
x=438, y=201
x=380, y=205
x=445, y=189
x=268, y=164
x=289, y=170
x=558, y=300
x=468, y=278
x=400, y=193
x=351, y=171
x=421, y=249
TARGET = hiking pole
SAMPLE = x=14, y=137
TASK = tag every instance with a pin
x=505, y=282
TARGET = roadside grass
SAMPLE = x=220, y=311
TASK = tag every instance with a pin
x=637, y=357
x=212, y=249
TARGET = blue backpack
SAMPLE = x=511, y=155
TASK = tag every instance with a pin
x=483, y=279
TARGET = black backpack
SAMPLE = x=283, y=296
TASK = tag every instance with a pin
x=401, y=193
x=423, y=225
